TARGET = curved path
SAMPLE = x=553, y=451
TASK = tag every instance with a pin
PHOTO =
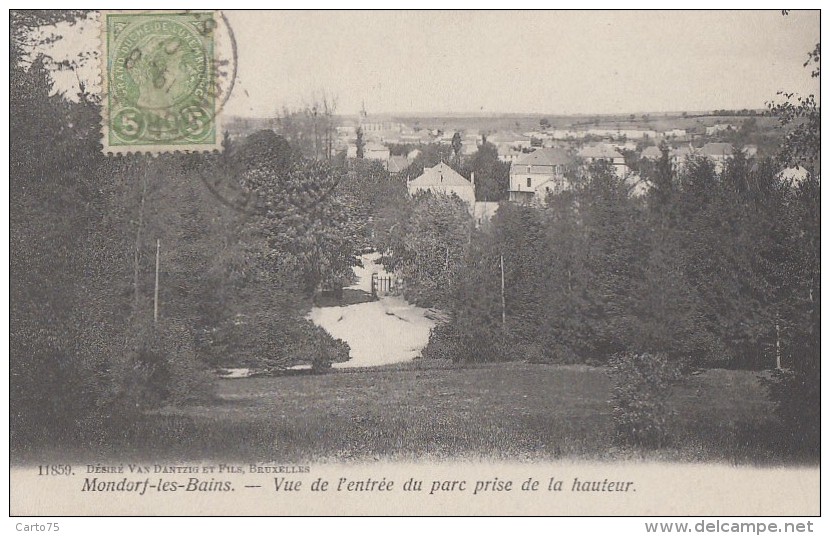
x=379, y=332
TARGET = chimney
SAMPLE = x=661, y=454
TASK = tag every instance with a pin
x=473, y=179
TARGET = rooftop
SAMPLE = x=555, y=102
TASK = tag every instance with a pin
x=544, y=157
x=599, y=151
x=717, y=149
x=398, y=163
x=441, y=174
x=506, y=137
x=373, y=146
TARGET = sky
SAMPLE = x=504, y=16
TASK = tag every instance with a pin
x=547, y=62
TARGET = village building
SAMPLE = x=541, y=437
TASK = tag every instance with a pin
x=534, y=175
x=419, y=137
x=371, y=151
x=509, y=140
x=442, y=179
x=719, y=153
x=716, y=129
x=606, y=133
x=624, y=145
x=376, y=151
x=446, y=137
x=636, y=134
x=680, y=155
x=376, y=127
x=602, y=152
x=508, y=154
x=346, y=131
x=675, y=133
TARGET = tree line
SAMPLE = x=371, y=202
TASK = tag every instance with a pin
x=709, y=269
x=243, y=240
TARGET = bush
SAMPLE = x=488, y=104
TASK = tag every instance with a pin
x=448, y=341
x=317, y=347
x=272, y=340
x=188, y=380
x=160, y=367
x=442, y=343
x=639, y=400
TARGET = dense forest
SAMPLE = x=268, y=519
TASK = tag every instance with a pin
x=243, y=240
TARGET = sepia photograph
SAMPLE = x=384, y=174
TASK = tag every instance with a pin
x=415, y=263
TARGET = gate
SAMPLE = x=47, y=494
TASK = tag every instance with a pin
x=382, y=285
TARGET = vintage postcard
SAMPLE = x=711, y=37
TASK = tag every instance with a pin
x=559, y=263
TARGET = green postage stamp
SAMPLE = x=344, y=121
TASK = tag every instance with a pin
x=159, y=81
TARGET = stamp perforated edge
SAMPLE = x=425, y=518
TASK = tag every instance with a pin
x=103, y=73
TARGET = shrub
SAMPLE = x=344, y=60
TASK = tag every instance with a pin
x=442, y=343
x=471, y=345
x=188, y=380
x=639, y=400
x=270, y=341
x=315, y=346
x=160, y=367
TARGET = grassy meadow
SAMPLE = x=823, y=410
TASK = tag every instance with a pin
x=430, y=409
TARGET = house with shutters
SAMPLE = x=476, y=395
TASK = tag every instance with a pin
x=535, y=175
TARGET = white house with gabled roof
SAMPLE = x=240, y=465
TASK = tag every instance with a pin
x=442, y=179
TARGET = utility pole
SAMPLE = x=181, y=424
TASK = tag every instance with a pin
x=156, y=292
x=503, y=314
x=777, y=342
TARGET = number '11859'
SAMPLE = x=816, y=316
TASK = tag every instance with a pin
x=54, y=470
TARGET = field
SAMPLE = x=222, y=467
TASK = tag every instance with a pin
x=530, y=122
x=437, y=410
